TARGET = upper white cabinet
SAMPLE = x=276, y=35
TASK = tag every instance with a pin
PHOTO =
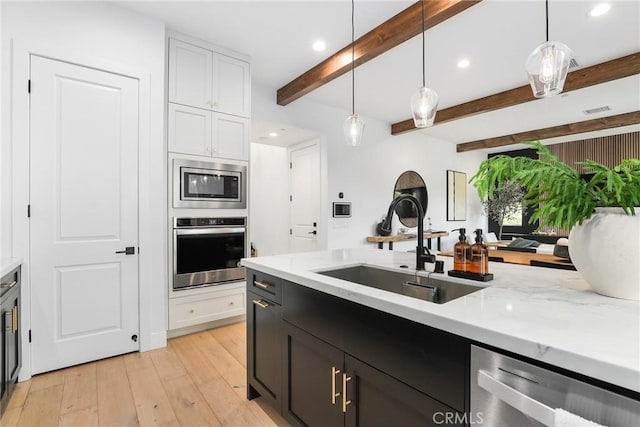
x=202, y=78
x=207, y=133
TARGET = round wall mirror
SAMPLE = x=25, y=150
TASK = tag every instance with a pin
x=410, y=182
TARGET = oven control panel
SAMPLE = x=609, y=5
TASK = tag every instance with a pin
x=209, y=222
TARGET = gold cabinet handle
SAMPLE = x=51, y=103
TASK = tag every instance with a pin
x=14, y=319
x=9, y=285
x=345, y=402
x=260, y=303
x=334, y=372
x=263, y=285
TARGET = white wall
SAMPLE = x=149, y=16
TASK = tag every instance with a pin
x=5, y=165
x=269, y=199
x=367, y=174
x=106, y=36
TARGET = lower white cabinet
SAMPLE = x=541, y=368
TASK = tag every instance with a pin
x=207, y=133
x=206, y=307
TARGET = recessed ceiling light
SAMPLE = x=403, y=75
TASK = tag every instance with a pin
x=319, y=45
x=463, y=63
x=600, y=9
x=273, y=134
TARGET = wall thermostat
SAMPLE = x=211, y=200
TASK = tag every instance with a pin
x=341, y=209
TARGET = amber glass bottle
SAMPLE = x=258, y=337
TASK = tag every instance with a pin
x=479, y=256
x=461, y=252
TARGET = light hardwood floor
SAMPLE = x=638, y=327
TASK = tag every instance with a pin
x=197, y=380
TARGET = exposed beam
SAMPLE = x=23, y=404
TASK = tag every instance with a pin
x=626, y=119
x=386, y=36
x=601, y=73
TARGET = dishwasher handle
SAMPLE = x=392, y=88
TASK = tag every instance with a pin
x=520, y=401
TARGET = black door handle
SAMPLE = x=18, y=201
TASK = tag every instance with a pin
x=312, y=232
x=129, y=250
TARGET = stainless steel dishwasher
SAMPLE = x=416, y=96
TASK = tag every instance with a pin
x=509, y=392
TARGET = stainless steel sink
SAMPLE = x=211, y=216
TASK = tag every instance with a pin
x=429, y=289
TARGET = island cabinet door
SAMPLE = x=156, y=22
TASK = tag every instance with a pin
x=264, y=349
x=373, y=398
x=313, y=375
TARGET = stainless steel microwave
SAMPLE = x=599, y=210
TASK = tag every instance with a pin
x=213, y=185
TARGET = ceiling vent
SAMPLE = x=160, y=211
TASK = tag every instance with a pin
x=573, y=64
x=597, y=110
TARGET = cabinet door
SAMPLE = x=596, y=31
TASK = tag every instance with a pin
x=264, y=349
x=190, y=74
x=12, y=336
x=231, y=86
x=189, y=130
x=380, y=400
x=230, y=137
x=311, y=381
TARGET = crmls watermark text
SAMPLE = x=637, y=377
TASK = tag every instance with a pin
x=443, y=418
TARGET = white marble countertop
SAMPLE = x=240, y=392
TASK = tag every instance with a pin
x=546, y=314
x=8, y=264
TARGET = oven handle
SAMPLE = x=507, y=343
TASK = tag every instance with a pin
x=186, y=231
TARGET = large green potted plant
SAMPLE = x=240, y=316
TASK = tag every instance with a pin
x=604, y=241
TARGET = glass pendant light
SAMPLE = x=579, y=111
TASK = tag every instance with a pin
x=424, y=103
x=548, y=64
x=353, y=125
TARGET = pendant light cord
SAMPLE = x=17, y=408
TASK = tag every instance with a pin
x=353, y=60
x=546, y=3
x=423, y=52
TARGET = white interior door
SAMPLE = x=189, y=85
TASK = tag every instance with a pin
x=83, y=197
x=305, y=197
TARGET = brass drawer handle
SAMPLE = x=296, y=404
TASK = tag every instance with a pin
x=14, y=319
x=263, y=285
x=345, y=402
x=9, y=285
x=260, y=303
x=334, y=372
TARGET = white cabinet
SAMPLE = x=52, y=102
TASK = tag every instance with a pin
x=202, y=78
x=207, y=133
x=190, y=74
x=189, y=130
x=230, y=136
x=196, y=309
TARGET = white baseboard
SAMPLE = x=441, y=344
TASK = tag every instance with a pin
x=156, y=340
x=204, y=326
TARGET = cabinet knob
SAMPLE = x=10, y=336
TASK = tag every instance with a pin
x=231, y=303
x=192, y=311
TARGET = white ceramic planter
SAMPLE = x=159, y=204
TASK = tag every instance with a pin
x=606, y=251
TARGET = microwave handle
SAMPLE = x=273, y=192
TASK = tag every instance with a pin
x=523, y=403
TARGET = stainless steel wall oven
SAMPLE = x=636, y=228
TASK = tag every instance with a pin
x=207, y=251
x=212, y=185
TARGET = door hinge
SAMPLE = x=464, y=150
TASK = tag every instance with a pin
x=290, y=198
x=291, y=232
x=28, y=211
x=29, y=335
x=29, y=86
x=290, y=165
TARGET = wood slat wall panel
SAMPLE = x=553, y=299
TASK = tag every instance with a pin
x=608, y=150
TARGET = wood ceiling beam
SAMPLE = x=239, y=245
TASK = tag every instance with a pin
x=600, y=73
x=384, y=37
x=601, y=123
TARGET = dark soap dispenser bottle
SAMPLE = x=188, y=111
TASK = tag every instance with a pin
x=479, y=256
x=461, y=252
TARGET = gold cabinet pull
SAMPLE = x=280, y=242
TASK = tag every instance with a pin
x=9, y=285
x=260, y=303
x=345, y=402
x=14, y=319
x=263, y=285
x=334, y=372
